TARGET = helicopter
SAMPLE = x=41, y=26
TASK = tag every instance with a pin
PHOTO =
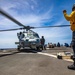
x=29, y=38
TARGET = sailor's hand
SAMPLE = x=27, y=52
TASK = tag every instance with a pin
x=64, y=11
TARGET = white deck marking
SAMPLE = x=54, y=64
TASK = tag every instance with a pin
x=68, y=60
x=47, y=54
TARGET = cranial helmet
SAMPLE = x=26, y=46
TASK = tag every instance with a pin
x=73, y=7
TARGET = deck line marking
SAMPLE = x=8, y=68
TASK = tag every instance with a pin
x=47, y=54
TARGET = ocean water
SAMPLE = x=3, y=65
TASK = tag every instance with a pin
x=7, y=48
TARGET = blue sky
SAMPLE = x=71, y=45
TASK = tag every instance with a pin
x=36, y=13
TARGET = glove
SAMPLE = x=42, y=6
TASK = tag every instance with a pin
x=64, y=11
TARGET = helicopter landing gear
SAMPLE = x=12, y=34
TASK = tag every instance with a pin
x=38, y=48
x=19, y=48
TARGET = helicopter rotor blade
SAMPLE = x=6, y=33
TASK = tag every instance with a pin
x=28, y=28
x=20, y=24
x=52, y=26
x=11, y=18
x=11, y=29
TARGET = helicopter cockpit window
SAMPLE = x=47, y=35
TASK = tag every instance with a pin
x=36, y=35
x=30, y=36
x=33, y=36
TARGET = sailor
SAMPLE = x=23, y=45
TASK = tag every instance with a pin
x=71, y=18
x=42, y=42
x=20, y=37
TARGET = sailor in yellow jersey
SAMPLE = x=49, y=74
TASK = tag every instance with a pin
x=71, y=18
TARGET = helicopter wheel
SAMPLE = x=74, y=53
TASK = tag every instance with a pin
x=19, y=48
x=38, y=48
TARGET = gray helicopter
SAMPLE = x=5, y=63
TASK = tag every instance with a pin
x=28, y=39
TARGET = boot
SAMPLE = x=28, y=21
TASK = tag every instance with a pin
x=72, y=66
